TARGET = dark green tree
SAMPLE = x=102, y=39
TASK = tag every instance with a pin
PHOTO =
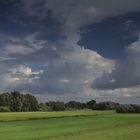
x=56, y=106
x=105, y=106
x=132, y=108
x=91, y=104
x=75, y=105
x=30, y=103
x=15, y=102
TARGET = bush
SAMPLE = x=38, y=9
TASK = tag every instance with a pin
x=4, y=109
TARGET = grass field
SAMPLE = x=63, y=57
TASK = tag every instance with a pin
x=69, y=125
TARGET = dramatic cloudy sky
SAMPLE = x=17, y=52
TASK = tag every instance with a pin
x=71, y=49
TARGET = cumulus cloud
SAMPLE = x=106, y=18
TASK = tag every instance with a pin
x=74, y=71
x=18, y=77
x=126, y=73
x=65, y=67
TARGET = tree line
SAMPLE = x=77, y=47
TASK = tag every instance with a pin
x=17, y=102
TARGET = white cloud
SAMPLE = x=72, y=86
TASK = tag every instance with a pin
x=24, y=46
x=126, y=73
x=18, y=77
x=74, y=71
x=70, y=72
x=25, y=70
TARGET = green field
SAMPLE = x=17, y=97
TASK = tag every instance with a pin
x=69, y=125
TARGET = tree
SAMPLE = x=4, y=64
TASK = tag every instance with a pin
x=15, y=102
x=30, y=103
x=56, y=106
x=105, y=106
x=43, y=107
x=136, y=108
x=132, y=108
x=91, y=104
x=75, y=105
x=5, y=99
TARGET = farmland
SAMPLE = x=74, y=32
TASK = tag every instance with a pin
x=67, y=125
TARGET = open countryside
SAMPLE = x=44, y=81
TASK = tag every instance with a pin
x=69, y=69
x=22, y=117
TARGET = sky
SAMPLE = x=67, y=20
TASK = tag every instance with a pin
x=71, y=50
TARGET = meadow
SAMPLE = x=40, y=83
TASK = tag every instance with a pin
x=69, y=125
